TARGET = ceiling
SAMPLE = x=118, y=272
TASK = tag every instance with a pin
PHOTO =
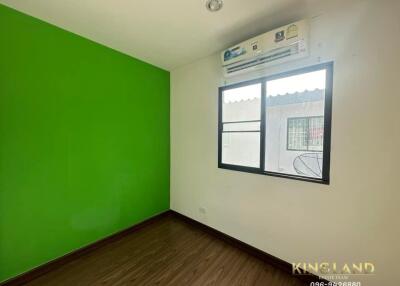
x=169, y=33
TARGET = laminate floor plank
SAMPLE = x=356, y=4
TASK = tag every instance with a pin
x=169, y=252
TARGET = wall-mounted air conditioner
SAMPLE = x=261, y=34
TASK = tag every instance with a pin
x=275, y=47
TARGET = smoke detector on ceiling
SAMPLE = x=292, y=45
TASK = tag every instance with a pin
x=214, y=5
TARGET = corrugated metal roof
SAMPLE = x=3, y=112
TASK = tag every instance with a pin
x=297, y=97
x=288, y=98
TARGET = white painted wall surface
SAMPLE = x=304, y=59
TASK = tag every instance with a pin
x=356, y=217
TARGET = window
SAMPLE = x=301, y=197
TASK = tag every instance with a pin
x=278, y=125
x=305, y=133
x=241, y=126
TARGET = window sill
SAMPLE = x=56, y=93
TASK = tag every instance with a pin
x=273, y=174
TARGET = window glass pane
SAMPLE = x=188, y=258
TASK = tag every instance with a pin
x=241, y=104
x=294, y=115
x=243, y=126
x=309, y=165
x=241, y=149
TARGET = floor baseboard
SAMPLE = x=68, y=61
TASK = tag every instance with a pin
x=58, y=262
x=266, y=257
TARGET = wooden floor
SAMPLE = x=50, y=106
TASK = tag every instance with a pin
x=168, y=252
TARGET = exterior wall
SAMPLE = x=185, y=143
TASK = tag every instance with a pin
x=278, y=158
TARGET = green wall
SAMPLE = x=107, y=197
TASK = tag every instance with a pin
x=84, y=142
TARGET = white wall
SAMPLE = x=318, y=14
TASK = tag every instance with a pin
x=356, y=217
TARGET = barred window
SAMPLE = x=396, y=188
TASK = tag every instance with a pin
x=305, y=134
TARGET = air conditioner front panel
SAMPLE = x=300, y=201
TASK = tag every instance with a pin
x=278, y=46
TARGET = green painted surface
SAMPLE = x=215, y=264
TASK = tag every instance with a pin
x=84, y=142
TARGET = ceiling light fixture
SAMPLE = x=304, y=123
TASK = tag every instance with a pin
x=214, y=5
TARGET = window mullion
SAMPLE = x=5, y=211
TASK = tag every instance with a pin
x=220, y=126
x=308, y=133
x=262, y=125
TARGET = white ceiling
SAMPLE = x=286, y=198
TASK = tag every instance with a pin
x=169, y=33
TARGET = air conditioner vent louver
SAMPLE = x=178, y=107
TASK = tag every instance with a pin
x=279, y=54
x=278, y=46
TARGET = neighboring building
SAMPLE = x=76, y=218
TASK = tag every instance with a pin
x=294, y=132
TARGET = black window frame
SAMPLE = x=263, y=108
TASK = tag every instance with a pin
x=327, y=124
x=308, y=129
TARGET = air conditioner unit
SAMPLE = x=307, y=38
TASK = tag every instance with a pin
x=275, y=47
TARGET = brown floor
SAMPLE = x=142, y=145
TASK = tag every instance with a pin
x=168, y=252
